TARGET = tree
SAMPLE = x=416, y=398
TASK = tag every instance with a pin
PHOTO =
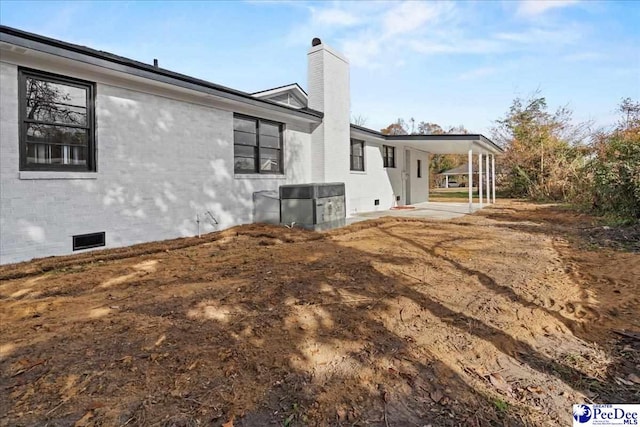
x=542, y=150
x=438, y=162
x=611, y=178
x=399, y=127
x=359, y=120
x=425, y=128
x=630, y=111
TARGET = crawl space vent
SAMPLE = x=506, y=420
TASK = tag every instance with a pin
x=86, y=241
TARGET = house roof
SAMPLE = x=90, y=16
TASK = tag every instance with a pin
x=37, y=42
x=291, y=91
x=437, y=144
x=293, y=86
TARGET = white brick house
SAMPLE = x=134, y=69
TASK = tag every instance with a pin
x=91, y=142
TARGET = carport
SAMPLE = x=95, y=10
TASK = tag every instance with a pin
x=472, y=145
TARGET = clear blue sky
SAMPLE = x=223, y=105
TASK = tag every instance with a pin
x=447, y=63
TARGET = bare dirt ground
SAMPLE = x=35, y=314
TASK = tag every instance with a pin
x=505, y=317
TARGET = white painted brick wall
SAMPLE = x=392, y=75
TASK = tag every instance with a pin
x=329, y=92
x=315, y=87
x=384, y=184
x=160, y=161
x=374, y=183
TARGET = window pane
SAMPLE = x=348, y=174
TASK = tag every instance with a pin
x=356, y=148
x=244, y=138
x=390, y=159
x=56, y=113
x=77, y=155
x=59, y=135
x=269, y=129
x=55, y=102
x=269, y=141
x=244, y=151
x=244, y=164
x=269, y=160
x=56, y=154
x=244, y=125
x=38, y=153
x=357, y=163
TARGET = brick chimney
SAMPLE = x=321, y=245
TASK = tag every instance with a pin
x=328, y=85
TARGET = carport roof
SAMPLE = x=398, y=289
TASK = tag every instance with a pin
x=436, y=144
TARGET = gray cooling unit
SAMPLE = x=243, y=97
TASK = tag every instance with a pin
x=313, y=206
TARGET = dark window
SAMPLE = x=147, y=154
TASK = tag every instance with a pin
x=389, y=154
x=56, y=123
x=257, y=145
x=357, y=155
x=419, y=168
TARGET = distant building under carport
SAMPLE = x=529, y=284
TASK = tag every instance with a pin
x=462, y=170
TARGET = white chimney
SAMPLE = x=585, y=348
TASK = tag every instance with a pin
x=328, y=85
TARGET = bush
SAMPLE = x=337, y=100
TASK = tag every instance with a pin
x=614, y=176
x=543, y=151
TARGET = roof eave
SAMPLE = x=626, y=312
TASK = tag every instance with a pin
x=283, y=88
x=129, y=66
x=477, y=138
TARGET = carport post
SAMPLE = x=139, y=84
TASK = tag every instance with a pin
x=470, y=180
x=446, y=181
x=493, y=176
x=487, y=165
x=480, y=178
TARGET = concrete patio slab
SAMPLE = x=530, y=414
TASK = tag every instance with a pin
x=431, y=210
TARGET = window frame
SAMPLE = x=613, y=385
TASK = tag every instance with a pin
x=90, y=87
x=351, y=156
x=386, y=157
x=257, y=148
x=419, y=167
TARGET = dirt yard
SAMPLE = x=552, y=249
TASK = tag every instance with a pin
x=506, y=317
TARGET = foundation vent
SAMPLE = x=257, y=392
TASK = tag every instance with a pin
x=86, y=241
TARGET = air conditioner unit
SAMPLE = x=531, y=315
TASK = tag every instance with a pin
x=313, y=206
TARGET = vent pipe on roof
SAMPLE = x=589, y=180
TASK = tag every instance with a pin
x=155, y=62
x=315, y=42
